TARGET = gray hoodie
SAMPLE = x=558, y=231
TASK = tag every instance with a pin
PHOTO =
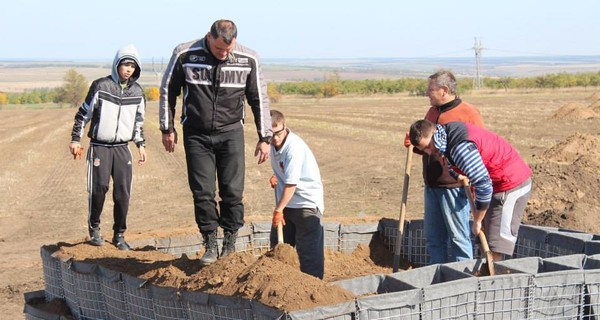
x=116, y=113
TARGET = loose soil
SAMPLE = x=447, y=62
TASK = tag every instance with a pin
x=357, y=142
x=271, y=279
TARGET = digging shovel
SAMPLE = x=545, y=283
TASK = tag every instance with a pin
x=279, y=233
x=409, y=152
x=482, y=239
x=273, y=182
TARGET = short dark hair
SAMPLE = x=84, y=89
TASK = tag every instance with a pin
x=224, y=29
x=419, y=130
x=444, y=78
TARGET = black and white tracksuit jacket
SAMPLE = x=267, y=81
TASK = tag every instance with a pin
x=214, y=90
x=116, y=114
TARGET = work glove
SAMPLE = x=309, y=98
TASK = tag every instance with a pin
x=78, y=154
x=407, y=140
x=277, y=218
x=273, y=181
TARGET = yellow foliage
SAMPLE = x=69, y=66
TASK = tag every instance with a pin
x=3, y=98
x=152, y=94
x=273, y=92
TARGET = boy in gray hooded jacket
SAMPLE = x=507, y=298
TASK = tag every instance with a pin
x=115, y=106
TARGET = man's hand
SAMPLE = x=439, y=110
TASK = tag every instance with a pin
x=278, y=218
x=463, y=179
x=143, y=156
x=76, y=150
x=262, y=151
x=273, y=181
x=169, y=140
x=407, y=140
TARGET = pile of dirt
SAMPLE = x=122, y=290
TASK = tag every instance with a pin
x=566, y=181
x=575, y=111
x=272, y=279
x=595, y=96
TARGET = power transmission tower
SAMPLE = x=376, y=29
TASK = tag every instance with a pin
x=477, y=47
x=158, y=71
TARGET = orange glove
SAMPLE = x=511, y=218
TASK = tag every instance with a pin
x=407, y=140
x=77, y=155
x=277, y=218
x=273, y=181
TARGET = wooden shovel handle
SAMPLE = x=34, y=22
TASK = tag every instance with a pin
x=482, y=238
x=279, y=232
x=398, y=245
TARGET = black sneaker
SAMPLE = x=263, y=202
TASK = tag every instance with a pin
x=119, y=241
x=95, y=237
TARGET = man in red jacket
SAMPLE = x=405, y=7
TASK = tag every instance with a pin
x=500, y=176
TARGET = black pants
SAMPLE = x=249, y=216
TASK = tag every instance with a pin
x=104, y=163
x=303, y=229
x=212, y=157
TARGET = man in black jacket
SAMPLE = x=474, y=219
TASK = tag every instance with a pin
x=216, y=73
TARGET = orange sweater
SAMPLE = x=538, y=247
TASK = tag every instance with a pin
x=435, y=167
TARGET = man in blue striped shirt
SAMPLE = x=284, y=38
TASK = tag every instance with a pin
x=500, y=176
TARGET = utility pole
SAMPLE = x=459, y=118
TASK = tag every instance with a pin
x=477, y=47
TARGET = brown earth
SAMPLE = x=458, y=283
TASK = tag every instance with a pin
x=272, y=278
x=357, y=141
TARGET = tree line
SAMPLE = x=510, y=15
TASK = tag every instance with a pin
x=72, y=92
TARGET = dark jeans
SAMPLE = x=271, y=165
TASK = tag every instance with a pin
x=303, y=229
x=104, y=163
x=211, y=157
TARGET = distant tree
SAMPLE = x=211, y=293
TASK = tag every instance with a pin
x=505, y=82
x=331, y=86
x=273, y=92
x=152, y=94
x=3, y=98
x=73, y=90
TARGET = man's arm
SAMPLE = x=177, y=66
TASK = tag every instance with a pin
x=169, y=91
x=467, y=158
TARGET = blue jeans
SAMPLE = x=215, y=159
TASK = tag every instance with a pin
x=447, y=220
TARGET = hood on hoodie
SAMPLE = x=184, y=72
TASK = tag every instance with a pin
x=127, y=52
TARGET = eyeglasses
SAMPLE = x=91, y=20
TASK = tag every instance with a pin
x=279, y=132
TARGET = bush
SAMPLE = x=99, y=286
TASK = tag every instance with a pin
x=152, y=94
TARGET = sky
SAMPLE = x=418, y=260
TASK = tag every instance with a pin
x=305, y=29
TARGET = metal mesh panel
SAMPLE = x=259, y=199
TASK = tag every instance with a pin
x=504, y=297
x=68, y=283
x=417, y=247
x=167, y=305
x=331, y=233
x=531, y=241
x=353, y=235
x=138, y=298
x=226, y=308
x=261, y=233
x=114, y=297
x=556, y=300
x=52, y=276
x=591, y=295
x=89, y=293
x=197, y=306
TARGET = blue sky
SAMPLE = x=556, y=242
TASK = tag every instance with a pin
x=92, y=30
